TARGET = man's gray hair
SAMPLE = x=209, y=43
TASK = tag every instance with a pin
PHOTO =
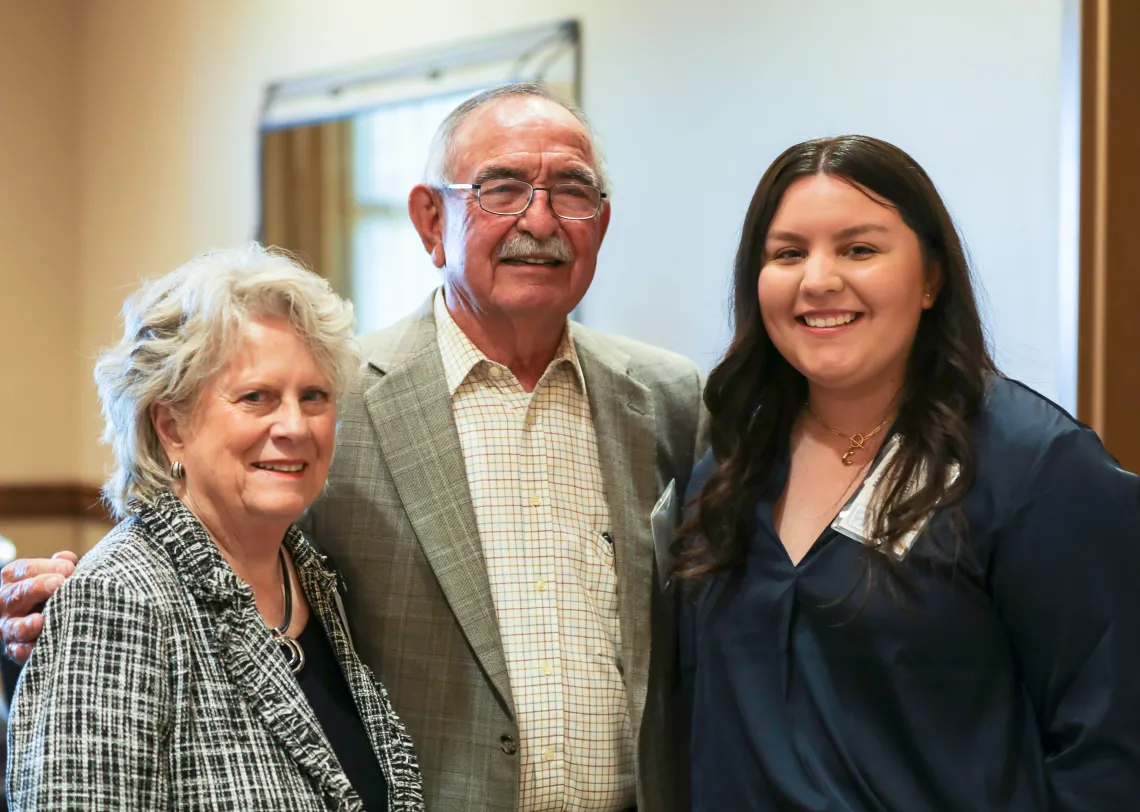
x=181, y=329
x=441, y=158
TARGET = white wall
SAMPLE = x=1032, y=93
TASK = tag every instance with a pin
x=712, y=92
x=705, y=93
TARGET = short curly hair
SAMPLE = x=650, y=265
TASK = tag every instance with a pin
x=180, y=329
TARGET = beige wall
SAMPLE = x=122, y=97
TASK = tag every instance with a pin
x=36, y=538
x=39, y=217
x=134, y=169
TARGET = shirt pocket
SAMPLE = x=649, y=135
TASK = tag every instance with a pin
x=597, y=570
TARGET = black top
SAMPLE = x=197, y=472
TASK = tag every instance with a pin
x=327, y=691
x=1013, y=684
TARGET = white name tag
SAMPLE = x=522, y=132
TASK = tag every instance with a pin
x=857, y=519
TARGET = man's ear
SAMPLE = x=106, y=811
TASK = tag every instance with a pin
x=167, y=428
x=425, y=207
x=604, y=218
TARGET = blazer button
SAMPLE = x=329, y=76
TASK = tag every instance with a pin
x=508, y=743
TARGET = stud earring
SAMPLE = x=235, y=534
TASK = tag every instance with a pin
x=177, y=470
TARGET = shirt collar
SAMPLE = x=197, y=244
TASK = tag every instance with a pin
x=460, y=356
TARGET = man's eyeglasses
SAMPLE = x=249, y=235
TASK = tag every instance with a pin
x=570, y=201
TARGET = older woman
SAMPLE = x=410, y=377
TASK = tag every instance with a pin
x=198, y=658
x=916, y=580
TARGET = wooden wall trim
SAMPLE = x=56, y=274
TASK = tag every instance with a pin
x=52, y=500
x=1089, y=360
x=1120, y=343
x=1109, y=331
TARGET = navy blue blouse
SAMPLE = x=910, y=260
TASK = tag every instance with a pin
x=1009, y=682
x=329, y=696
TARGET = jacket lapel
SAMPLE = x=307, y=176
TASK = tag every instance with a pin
x=256, y=667
x=623, y=419
x=389, y=738
x=411, y=409
x=246, y=649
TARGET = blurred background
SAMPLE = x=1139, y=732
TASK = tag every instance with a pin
x=136, y=133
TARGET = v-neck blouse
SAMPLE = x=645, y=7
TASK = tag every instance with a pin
x=1008, y=679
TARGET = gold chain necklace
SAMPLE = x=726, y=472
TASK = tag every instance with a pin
x=857, y=441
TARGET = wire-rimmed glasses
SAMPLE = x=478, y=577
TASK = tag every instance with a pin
x=507, y=196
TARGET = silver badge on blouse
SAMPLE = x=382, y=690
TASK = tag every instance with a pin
x=857, y=518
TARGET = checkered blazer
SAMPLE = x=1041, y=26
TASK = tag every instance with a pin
x=398, y=520
x=157, y=686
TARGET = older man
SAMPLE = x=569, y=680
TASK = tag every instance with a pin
x=495, y=473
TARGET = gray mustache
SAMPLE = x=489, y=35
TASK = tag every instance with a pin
x=524, y=245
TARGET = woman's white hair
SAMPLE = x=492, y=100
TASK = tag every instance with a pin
x=181, y=329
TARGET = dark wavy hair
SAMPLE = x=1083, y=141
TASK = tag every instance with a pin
x=754, y=396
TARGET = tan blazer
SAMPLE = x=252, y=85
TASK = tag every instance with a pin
x=397, y=520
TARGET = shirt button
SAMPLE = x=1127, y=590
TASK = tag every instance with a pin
x=548, y=754
x=496, y=372
x=540, y=586
x=548, y=670
x=508, y=743
x=531, y=418
x=536, y=500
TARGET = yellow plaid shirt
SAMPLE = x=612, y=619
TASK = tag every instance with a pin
x=540, y=506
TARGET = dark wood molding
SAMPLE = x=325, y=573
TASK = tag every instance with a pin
x=1088, y=402
x=1109, y=333
x=52, y=500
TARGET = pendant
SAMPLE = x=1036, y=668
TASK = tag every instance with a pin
x=292, y=651
x=857, y=441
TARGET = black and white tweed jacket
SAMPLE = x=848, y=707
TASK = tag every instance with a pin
x=157, y=686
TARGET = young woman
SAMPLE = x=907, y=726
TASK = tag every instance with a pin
x=915, y=583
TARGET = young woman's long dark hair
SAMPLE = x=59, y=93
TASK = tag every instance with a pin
x=755, y=396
